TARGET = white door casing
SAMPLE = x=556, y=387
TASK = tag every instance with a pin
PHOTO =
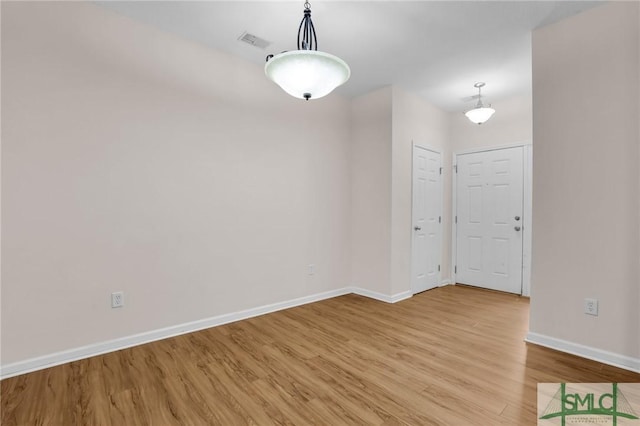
x=489, y=210
x=426, y=219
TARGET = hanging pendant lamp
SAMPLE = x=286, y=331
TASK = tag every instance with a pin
x=307, y=73
x=480, y=113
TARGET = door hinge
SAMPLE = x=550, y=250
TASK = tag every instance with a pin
x=456, y=218
x=455, y=269
x=455, y=167
x=438, y=268
x=440, y=170
x=439, y=219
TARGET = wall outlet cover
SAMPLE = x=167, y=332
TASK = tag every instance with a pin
x=591, y=306
x=117, y=299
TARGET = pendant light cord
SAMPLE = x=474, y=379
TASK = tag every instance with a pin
x=307, y=30
x=479, y=86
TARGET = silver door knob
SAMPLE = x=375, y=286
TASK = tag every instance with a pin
x=517, y=228
x=416, y=228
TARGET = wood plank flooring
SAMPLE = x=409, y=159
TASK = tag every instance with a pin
x=450, y=356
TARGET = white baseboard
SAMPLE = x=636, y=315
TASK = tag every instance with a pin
x=63, y=357
x=445, y=282
x=605, y=357
x=382, y=297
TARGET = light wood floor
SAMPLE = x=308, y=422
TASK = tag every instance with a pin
x=452, y=356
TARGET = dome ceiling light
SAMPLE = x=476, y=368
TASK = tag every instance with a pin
x=307, y=73
x=480, y=113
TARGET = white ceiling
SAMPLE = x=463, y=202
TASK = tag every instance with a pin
x=437, y=49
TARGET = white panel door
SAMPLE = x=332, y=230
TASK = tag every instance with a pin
x=489, y=219
x=427, y=227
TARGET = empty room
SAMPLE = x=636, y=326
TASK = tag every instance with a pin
x=321, y=213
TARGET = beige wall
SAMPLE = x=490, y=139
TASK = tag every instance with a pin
x=586, y=179
x=415, y=122
x=0, y=194
x=134, y=160
x=371, y=191
x=385, y=124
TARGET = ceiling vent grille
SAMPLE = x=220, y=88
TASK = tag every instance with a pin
x=254, y=40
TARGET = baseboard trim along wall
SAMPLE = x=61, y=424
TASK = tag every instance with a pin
x=382, y=297
x=63, y=357
x=605, y=357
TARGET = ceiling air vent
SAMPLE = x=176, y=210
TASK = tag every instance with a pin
x=253, y=40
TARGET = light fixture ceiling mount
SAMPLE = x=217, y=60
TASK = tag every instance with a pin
x=480, y=113
x=307, y=73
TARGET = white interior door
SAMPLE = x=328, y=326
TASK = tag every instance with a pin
x=489, y=219
x=427, y=226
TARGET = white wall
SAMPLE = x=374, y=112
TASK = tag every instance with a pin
x=415, y=121
x=137, y=161
x=371, y=191
x=586, y=180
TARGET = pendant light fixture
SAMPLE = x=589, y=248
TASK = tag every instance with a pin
x=480, y=113
x=307, y=73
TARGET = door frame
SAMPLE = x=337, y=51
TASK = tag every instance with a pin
x=435, y=151
x=527, y=193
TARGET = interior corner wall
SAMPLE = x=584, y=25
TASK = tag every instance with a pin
x=385, y=125
x=371, y=191
x=136, y=161
x=415, y=121
x=586, y=183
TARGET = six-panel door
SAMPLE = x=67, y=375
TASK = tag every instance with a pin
x=489, y=219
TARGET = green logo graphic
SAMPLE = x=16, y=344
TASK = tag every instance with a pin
x=612, y=404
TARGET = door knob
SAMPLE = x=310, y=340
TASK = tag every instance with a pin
x=517, y=228
x=417, y=228
x=517, y=218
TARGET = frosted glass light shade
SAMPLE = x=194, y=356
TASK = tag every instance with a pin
x=480, y=115
x=302, y=72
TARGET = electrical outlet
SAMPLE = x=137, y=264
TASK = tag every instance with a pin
x=117, y=299
x=591, y=307
x=311, y=269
